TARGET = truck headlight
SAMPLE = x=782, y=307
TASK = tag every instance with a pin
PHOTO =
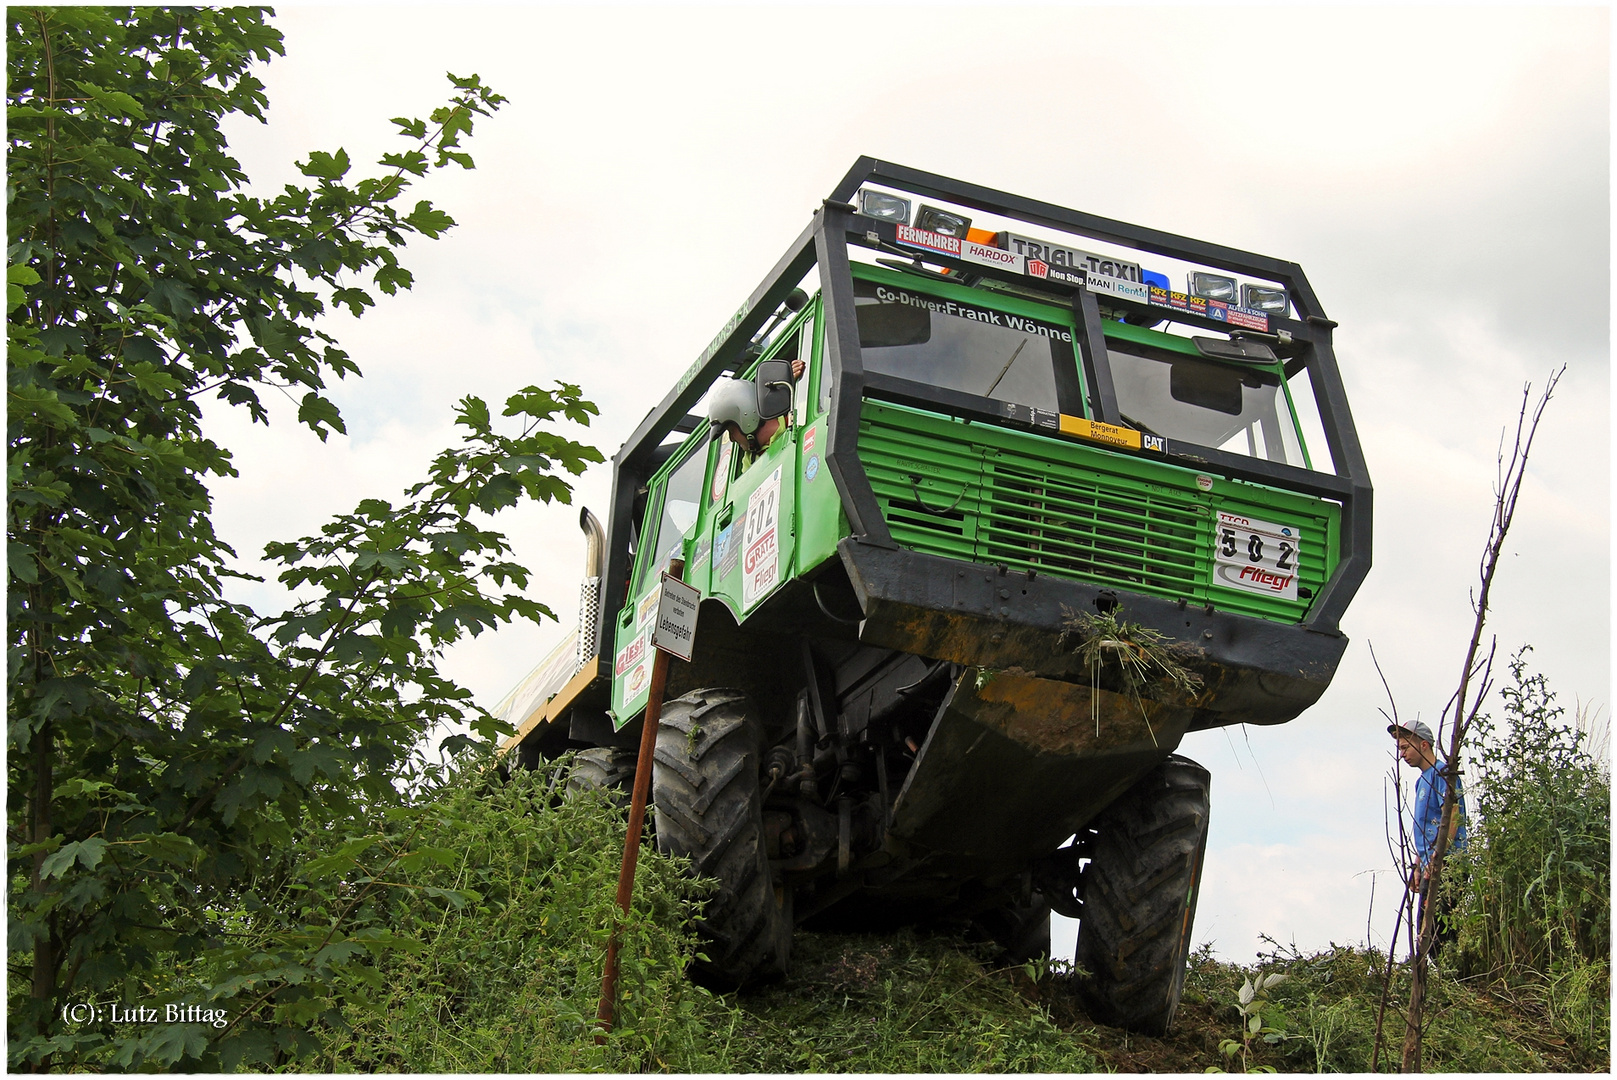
x=1265, y=299
x=932, y=219
x=1212, y=287
x=879, y=204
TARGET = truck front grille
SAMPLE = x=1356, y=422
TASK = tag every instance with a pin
x=1002, y=497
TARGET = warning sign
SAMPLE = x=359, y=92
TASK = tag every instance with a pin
x=675, y=630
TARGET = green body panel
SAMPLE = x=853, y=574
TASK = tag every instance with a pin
x=1033, y=502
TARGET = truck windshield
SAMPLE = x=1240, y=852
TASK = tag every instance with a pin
x=1241, y=410
x=964, y=347
x=681, y=501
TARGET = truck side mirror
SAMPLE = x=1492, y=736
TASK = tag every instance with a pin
x=774, y=381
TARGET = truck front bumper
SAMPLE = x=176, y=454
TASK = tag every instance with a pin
x=1253, y=671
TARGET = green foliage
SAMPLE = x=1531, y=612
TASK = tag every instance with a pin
x=1539, y=856
x=174, y=758
x=1535, y=879
x=1327, y=1005
x=901, y=1003
x=511, y=931
x=1260, y=1019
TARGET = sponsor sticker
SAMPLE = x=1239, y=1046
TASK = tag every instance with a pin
x=760, y=543
x=1123, y=290
x=1095, y=431
x=1055, y=255
x=921, y=238
x=1038, y=268
x=633, y=665
x=703, y=546
x=630, y=655
x=636, y=681
x=1216, y=310
x=1248, y=320
x=1154, y=443
x=721, y=472
x=646, y=608
x=812, y=469
x=726, y=552
x=809, y=436
x=984, y=255
x=1257, y=556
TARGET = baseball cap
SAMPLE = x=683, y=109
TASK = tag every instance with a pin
x=1414, y=728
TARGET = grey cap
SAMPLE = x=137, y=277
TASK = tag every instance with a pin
x=1414, y=728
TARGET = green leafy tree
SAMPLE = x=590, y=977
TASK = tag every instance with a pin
x=175, y=760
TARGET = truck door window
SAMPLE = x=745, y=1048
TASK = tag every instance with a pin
x=676, y=513
x=964, y=347
x=1240, y=409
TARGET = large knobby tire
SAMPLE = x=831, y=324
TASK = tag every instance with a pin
x=1140, y=897
x=604, y=768
x=704, y=785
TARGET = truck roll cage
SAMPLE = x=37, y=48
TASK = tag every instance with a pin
x=1303, y=342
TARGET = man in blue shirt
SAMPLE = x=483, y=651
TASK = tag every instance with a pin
x=1415, y=747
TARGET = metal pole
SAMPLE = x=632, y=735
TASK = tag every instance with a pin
x=606, y=1013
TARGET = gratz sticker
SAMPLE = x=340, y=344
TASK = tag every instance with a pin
x=760, y=541
x=1257, y=556
x=812, y=469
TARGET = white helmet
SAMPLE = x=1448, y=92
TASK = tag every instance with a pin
x=733, y=401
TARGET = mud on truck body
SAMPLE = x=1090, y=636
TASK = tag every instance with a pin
x=1014, y=433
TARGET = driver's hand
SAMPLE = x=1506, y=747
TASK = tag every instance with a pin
x=798, y=367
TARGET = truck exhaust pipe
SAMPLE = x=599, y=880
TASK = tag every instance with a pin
x=589, y=594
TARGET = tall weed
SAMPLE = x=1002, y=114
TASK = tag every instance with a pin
x=1535, y=880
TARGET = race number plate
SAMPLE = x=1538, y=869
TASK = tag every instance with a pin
x=760, y=541
x=1257, y=556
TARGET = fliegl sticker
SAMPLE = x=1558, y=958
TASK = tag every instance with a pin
x=1257, y=556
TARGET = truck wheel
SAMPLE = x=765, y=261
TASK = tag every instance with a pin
x=604, y=768
x=704, y=786
x=1140, y=897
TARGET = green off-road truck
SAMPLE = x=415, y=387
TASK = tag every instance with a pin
x=1050, y=491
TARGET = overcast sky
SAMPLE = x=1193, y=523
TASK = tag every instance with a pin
x=1442, y=176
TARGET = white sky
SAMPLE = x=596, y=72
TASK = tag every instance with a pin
x=1441, y=175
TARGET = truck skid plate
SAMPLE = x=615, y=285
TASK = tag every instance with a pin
x=1012, y=767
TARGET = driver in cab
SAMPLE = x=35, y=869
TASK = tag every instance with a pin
x=733, y=407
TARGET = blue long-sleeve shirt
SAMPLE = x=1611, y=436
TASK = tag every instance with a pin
x=1430, y=790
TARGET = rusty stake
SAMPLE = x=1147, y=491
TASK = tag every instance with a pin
x=606, y=1013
